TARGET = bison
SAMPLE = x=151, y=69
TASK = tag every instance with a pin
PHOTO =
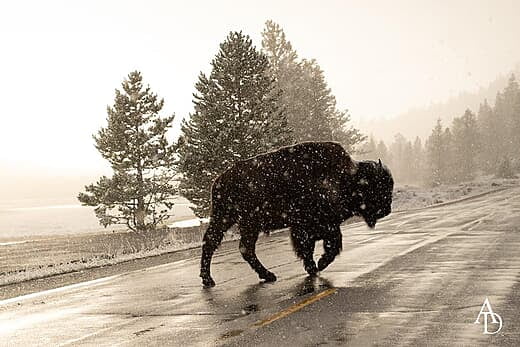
x=311, y=187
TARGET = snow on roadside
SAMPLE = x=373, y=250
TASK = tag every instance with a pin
x=77, y=265
x=13, y=242
x=409, y=197
x=167, y=245
x=189, y=223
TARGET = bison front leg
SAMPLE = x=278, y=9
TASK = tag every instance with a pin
x=303, y=245
x=247, y=248
x=332, y=244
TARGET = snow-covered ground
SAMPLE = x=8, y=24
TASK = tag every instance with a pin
x=194, y=222
x=43, y=271
x=408, y=197
x=405, y=197
x=50, y=259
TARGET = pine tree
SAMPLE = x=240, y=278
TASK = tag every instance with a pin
x=515, y=130
x=285, y=70
x=407, y=163
x=399, y=158
x=368, y=150
x=465, y=146
x=511, y=110
x=502, y=135
x=318, y=104
x=311, y=108
x=499, y=128
x=280, y=54
x=139, y=194
x=448, y=173
x=382, y=153
x=417, y=161
x=435, y=155
x=236, y=116
x=505, y=170
x=488, y=129
x=346, y=134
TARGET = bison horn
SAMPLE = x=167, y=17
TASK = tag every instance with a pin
x=380, y=164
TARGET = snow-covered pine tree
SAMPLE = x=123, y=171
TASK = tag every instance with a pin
x=499, y=129
x=465, y=146
x=285, y=70
x=515, y=128
x=317, y=105
x=236, y=116
x=504, y=169
x=487, y=125
x=407, y=162
x=344, y=133
x=448, y=173
x=368, y=150
x=383, y=154
x=435, y=155
x=501, y=133
x=139, y=194
x=310, y=106
x=418, y=159
x=511, y=114
x=398, y=148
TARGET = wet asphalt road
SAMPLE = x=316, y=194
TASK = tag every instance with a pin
x=419, y=278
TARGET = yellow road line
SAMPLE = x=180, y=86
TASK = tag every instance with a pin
x=294, y=308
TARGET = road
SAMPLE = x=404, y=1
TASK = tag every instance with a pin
x=420, y=278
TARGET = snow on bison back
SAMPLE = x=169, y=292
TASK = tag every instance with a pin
x=311, y=187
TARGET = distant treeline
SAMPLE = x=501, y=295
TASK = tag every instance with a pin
x=488, y=142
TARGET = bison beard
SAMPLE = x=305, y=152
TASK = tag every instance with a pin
x=310, y=187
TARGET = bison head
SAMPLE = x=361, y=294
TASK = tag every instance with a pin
x=373, y=187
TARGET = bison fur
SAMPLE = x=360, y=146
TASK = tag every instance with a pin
x=311, y=187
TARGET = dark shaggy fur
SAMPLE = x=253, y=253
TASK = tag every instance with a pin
x=310, y=187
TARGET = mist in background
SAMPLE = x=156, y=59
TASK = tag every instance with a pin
x=391, y=64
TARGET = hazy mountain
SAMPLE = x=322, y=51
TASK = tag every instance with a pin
x=420, y=121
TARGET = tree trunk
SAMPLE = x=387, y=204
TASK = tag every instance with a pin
x=140, y=213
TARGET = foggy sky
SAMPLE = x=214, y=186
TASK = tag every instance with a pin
x=61, y=61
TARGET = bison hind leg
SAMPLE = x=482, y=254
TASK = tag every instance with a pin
x=303, y=245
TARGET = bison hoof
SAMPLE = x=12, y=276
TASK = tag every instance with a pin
x=323, y=263
x=208, y=282
x=312, y=270
x=268, y=277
